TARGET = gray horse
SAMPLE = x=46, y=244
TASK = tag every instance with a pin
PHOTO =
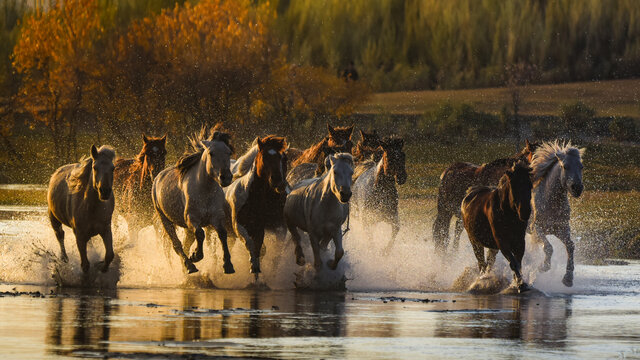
x=320, y=206
x=557, y=170
x=190, y=195
x=80, y=197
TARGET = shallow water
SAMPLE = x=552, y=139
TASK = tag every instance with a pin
x=147, y=307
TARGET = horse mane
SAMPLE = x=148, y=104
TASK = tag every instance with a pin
x=344, y=156
x=189, y=159
x=139, y=164
x=545, y=156
x=275, y=142
x=362, y=168
x=79, y=176
x=311, y=153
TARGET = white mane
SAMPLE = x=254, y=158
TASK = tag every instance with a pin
x=546, y=156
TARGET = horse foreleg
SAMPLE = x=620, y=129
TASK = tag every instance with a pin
x=57, y=228
x=226, y=258
x=541, y=236
x=565, y=237
x=514, y=263
x=81, y=241
x=199, y=237
x=258, y=241
x=337, y=241
x=107, y=240
x=315, y=246
x=395, y=228
x=170, y=230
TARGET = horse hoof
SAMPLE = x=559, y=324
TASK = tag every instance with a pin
x=523, y=288
x=195, y=257
x=332, y=264
x=568, y=280
x=300, y=261
x=255, y=269
x=104, y=269
x=64, y=258
x=545, y=267
x=191, y=268
x=85, y=268
x=228, y=268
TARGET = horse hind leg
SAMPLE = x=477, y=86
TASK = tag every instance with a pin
x=491, y=258
x=295, y=236
x=57, y=228
x=478, y=251
x=170, y=230
x=541, y=236
x=457, y=233
x=337, y=240
x=441, y=230
x=199, y=235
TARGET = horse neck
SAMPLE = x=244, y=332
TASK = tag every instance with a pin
x=325, y=185
x=503, y=195
x=144, y=171
x=551, y=184
x=382, y=180
x=202, y=177
x=258, y=184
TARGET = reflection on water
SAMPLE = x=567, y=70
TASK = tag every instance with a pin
x=138, y=323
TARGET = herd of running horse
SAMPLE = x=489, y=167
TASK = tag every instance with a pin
x=497, y=203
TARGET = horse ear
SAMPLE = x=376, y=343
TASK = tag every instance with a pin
x=330, y=129
x=362, y=134
x=332, y=160
x=145, y=139
x=560, y=156
x=527, y=144
x=350, y=128
x=94, y=152
x=400, y=143
x=260, y=144
x=164, y=139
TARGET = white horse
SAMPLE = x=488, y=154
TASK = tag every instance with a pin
x=557, y=170
x=320, y=206
x=190, y=195
x=80, y=196
x=243, y=164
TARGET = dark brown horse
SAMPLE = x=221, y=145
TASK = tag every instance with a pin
x=312, y=161
x=497, y=218
x=368, y=147
x=133, y=179
x=256, y=200
x=374, y=186
x=455, y=181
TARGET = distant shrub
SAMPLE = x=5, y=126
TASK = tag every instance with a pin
x=623, y=128
x=576, y=117
x=462, y=120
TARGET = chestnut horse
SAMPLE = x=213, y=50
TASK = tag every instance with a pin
x=497, y=218
x=368, y=147
x=133, y=179
x=455, y=181
x=256, y=200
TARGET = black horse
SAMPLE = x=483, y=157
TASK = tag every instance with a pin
x=496, y=218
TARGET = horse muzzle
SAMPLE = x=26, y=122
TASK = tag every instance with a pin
x=226, y=179
x=104, y=194
x=282, y=187
x=345, y=195
x=576, y=190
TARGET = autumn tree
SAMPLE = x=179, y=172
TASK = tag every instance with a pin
x=55, y=54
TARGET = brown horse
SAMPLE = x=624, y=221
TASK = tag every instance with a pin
x=368, y=147
x=133, y=179
x=256, y=200
x=338, y=140
x=497, y=218
x=455, y=181
x=80, y=197
x=374, y=186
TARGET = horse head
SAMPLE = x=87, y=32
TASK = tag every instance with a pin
x=102, y=170
x=340, y=138
x=154, y=152
x=217, y=156
x=393, y=159
x=518, y=180
x=271, y=161
x=528, y=151
x=570, y=162
x=341, y=173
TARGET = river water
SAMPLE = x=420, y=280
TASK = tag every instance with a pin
x=404, y=304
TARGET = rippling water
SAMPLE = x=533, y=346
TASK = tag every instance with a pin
x=400, y=305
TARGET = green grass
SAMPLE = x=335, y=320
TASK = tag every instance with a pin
x=608, y=98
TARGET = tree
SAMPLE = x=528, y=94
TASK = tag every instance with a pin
x=55, y=56
x=517, y=77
